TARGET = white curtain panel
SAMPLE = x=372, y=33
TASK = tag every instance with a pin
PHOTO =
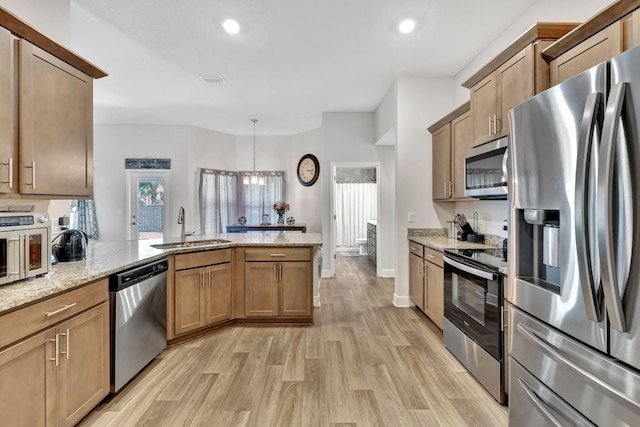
x=218, y=200
x=355, y=205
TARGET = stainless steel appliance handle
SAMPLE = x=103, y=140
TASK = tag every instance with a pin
x=604, y=218
x=590, y=119
x=539, y=404
x=469, y=269
x=505, y=163
x=555, y=354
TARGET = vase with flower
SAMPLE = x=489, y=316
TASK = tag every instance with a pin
x=281, y=207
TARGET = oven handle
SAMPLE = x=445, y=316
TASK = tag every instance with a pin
x=471, y=270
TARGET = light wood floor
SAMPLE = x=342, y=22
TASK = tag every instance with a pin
x=363, y=363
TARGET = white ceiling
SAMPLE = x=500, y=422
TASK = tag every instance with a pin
x=292, y=60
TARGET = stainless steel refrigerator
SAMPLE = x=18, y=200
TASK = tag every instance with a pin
x=574, y=251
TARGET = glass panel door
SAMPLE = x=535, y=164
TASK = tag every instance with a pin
x=38, y=257
x=148, y=191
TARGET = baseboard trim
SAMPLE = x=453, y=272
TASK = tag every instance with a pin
x=316, y=300
x=388, y=272
x=399, y=301
x=326, y=274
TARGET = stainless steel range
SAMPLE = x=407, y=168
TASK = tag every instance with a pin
x=473, y=321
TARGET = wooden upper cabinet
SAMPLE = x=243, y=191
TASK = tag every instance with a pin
x=461, y=141
x=611, y=31
x=596, y=49
x=441, y=157
x=512, y=77
x=485, y=107
x=56, y=126
x=451, y=136
x=8, y=116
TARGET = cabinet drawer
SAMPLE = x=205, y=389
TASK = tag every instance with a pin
x=416, y=248
x=277, y=254
x=433, y=256
x=24, y=322
x=200, y=259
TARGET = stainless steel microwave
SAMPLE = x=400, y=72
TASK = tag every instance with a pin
x=486, y=170
x=25, y=245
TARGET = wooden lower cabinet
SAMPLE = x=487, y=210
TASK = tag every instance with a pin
x=59, y=375
x=416, y=281
x=202, y=297
x=435, y=293
x=278, y=289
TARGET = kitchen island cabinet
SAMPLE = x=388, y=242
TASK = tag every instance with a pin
x=201, y=290
x=279, y=288
x=58, y=375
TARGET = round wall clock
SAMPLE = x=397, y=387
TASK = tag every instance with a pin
x=308, y=170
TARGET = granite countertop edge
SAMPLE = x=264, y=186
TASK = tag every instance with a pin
x=106, y=258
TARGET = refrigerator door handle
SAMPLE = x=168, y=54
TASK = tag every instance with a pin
x=592, y=117
x=604, y=217
x=558, y=356
x=539, y=404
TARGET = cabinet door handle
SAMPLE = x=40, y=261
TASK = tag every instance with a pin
x=209, y=278
x=280, y=275
x=277, y=255
x=490, y=128
x=202, y=279
x=495, y=124
x=60, y=310
x=9, y=180
x=67, y=336
x=430, y=256
x=57, y=358
x=33, y=174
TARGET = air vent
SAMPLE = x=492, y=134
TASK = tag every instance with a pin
x=213, y=79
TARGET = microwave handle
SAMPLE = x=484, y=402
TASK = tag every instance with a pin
x=505, y=165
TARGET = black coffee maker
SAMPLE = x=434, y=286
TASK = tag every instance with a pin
x=72, y=246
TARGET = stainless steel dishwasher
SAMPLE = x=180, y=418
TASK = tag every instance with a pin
x=138, y=319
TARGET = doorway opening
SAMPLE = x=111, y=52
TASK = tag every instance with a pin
x=146, y=202
x=355, y=195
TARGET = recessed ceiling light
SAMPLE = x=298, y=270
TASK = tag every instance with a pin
x=407, y=26
x=231, y=26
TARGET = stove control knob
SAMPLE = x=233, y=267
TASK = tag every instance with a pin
x=41, y=219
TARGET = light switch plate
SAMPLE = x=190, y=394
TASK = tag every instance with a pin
x=411, y=217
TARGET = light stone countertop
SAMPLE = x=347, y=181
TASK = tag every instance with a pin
x=373, y=222
x=106, y=258
x=440, y=243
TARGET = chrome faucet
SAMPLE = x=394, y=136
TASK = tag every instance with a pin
x=183, y=233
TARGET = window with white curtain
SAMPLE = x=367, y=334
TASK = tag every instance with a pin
x=224, y=198
x=218, y=200
x=257, y=199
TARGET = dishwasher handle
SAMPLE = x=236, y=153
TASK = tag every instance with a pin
x=127, y=278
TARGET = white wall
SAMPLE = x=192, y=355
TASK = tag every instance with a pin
x=187, y=147
x=541, y=11
x=283, y=153
x=386, y=114
x=421, y=101
x=350, y=138
x=50, y=17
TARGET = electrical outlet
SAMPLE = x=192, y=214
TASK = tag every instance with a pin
x=411, y=217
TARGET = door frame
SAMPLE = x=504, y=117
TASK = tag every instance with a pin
x=135, y=174
x=332, y=246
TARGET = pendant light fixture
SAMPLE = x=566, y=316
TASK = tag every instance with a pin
x=253, y=178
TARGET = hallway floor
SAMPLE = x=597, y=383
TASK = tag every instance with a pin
x=365, y=362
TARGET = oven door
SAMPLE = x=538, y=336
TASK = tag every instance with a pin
x=473, y=303
x=37, y=253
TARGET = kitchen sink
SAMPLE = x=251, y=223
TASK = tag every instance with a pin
x=190, y=244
